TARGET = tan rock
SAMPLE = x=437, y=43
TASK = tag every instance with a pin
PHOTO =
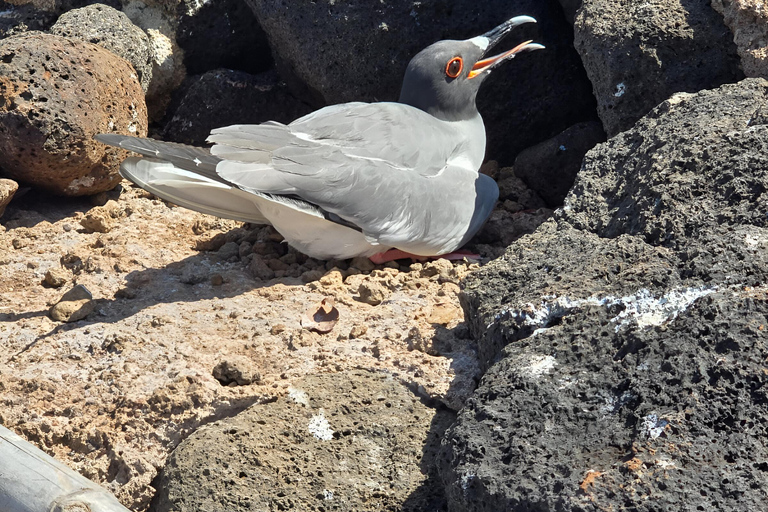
x=56, y=278
x=97, y=220
x=372, y=292
x=74, y=305
x=748, y=21
x=7, y=189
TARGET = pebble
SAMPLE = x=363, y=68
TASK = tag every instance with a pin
x=74, y=305
x=372, y=292
x=56, y=278
x=236, y=371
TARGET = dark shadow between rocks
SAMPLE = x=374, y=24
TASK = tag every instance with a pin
x=29, y=207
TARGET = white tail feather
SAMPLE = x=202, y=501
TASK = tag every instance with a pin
x=192, y=190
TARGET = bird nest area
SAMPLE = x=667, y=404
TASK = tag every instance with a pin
x=193, y=319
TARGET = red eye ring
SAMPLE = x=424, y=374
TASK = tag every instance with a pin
x=454, y=67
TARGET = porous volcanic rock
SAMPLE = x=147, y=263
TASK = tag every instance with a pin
x=638, y=53
x=541, y=275
x=111, y=29
x=224, y=97
x=334, y=52
x=355, y=440
x=55, y=95
x=625, y=338
x=593, y=414
x=748, y=21
x=549, y=168
x=696, y=163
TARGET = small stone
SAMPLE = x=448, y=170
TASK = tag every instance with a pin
x=74, y=305
x=212, y=244
x=55, y=278
x=229, y=251
x=336, y=264
x=277, y=329
x=99, y=199
x=193, y=275
x=332, y=279
x=277, y=265
x=440, y=267
x=236, y=371
x=311, y=275
x=260, y=270
x=363, y=264
x=372, y=292
x=97, y=220
x=357, y=331
x=7, y=189
x=217, y=280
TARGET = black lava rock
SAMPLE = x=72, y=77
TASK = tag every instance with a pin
x=224, y=97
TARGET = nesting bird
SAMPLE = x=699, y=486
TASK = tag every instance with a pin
x=383, y=180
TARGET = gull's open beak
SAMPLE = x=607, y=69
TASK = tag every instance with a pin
x=490, y=38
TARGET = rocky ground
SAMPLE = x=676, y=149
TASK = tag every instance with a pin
x=180, y=337
x=614, y=359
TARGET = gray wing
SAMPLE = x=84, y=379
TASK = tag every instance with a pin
x=399, y=135
x=382, y=166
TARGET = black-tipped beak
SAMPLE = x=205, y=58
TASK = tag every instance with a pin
x=492, y=37
x=495, y=35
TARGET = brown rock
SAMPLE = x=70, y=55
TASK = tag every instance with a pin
x=236, y=371
x=358, y=331
x=56, y=278
x=344, y=441
x=748, y=21
x=7, y=189
x=55, y=95
x=372, y=292
x=97, y=220
x=363, y=264
x=74, y=305
x=260, y=270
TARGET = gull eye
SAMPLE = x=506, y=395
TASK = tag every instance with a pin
x=454, y=67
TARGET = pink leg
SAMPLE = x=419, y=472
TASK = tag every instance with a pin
x=392, y=255
x=397, y=254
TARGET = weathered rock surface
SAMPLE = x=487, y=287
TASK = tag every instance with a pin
x=331, y=52
x=748, y=21
x=55, y=95
x=7, y=189
x=351, y=441
x=695, y=165
x=111, y=29
x=113, y=395
x=638, y=53
x=160, y=22
x=549, y=168
x=592, y=414
x=221, y=34
x=224, y=97
x=626, y=337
